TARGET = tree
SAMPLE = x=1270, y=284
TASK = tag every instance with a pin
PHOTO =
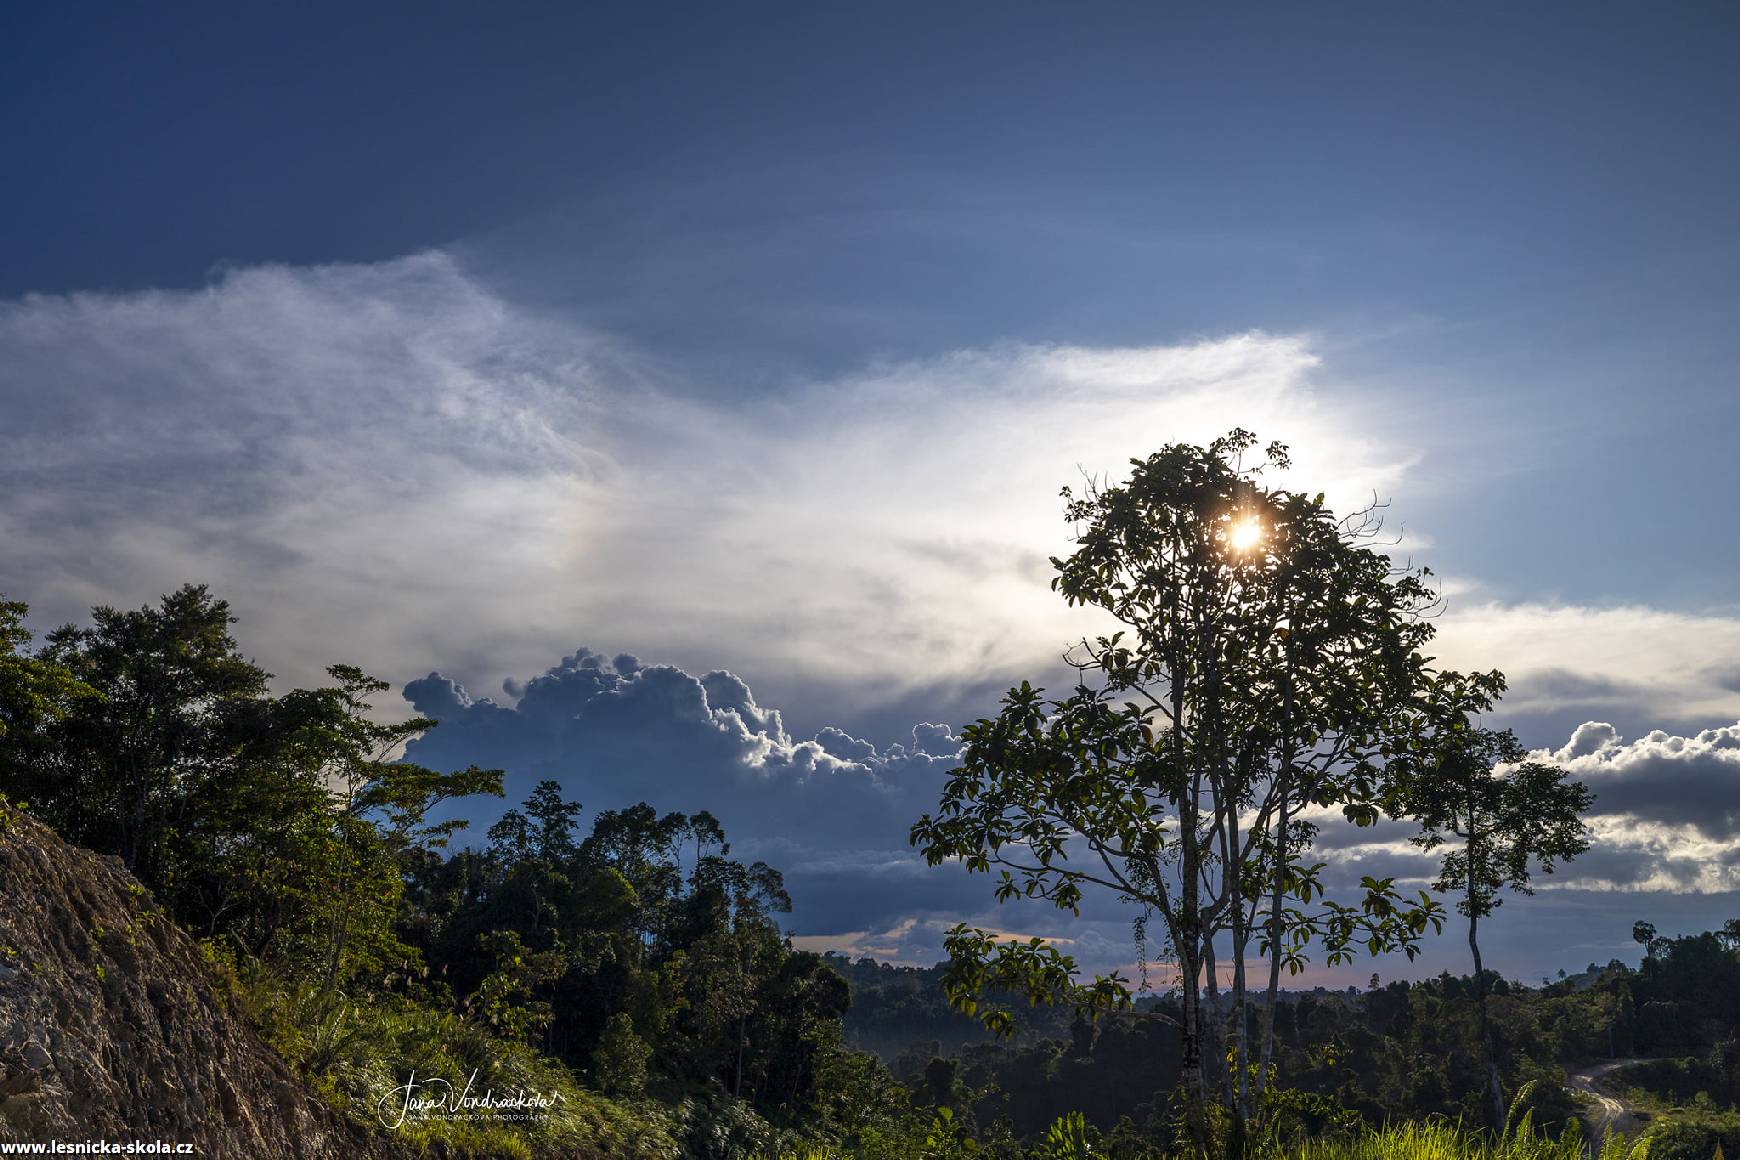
x=1263, y=648
x=640, y=949
x=379, y=806
x=619, y=1063
x=1644, y=933
x=643, y=846
x=741, y=947
x=1460, y=781
x=1730, y=934
x=34, y=694
x=282, y=824
x=796, y=1025
x=506, y=999
x=177, y=697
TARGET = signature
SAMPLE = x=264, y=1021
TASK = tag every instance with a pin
x=436, y=1098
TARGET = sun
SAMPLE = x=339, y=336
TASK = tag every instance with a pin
x=1244, y=535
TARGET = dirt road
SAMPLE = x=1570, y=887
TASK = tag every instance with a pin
x=1607, y=1112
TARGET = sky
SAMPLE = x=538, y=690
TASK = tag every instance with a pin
x=673, y=400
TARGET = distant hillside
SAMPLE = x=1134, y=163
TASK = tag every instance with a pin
x=109, y=1028
x=895, y=1007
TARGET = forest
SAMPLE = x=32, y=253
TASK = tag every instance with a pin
x=1269, y=674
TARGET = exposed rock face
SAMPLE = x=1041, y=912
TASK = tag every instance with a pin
x=110, y=1030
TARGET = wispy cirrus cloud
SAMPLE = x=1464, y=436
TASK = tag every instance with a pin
x=352, y=454
x=394, y=465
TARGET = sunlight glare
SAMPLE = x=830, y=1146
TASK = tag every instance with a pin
x=1245, y=534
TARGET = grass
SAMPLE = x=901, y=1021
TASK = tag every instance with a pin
x=1419, y=1140
x=1437, y=1140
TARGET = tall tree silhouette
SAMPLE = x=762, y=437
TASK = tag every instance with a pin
x=1264, y=645
x=1463, y=783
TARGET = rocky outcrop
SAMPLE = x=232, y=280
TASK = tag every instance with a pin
x=109, y=1028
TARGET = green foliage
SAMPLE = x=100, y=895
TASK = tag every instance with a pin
x=866, y=1105
x=504, y=1000
x=126, y=771
x=1402, y=1051
x=277, y=823
x=1264, y=653
x=1459, y=781
x=619, y=1063
x=35, y=693
x=355, y=1049
x=287, y=832
x=980, y=964
x=1699, y=1134
x=1435, y=1139
x=1443, y=1140
x=1068, y=1138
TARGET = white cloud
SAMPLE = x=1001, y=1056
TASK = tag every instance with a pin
x=359, y=456
x=1672, y=799
x=1656, y=664
x=1666, y=817
x=390, y=465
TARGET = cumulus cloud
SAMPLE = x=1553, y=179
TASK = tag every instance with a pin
x=704, y=734
x=832, y=811
x=1589, y=738
x=1667, y=807
x=1666, y=817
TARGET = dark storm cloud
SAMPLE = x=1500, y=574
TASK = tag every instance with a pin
x=1336, y=833
x=832, y=811
x=1632, y=863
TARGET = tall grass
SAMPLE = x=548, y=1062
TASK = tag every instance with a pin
x=1443, y=1140
x=1438, y=1140
x=1070, y=1139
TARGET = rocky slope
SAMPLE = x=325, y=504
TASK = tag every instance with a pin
x=110, y=1030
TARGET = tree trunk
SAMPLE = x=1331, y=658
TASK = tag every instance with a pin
x=737, y=1071
x=1216, y=1075
x=1187, y=932
x=1495, y=1092
x=1273, y=995
x=1190, y=1073
x=1241, y=1108
x=1190, y=967
x=1239, y=1089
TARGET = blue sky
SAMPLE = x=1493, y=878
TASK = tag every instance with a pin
x=759, y=338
